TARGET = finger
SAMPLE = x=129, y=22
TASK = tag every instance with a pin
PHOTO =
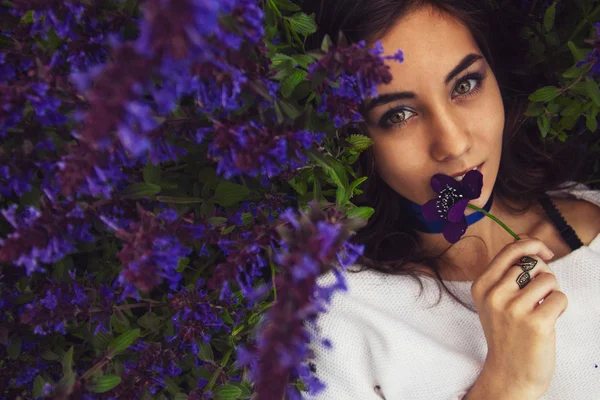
x=509, y=256
x=536, y=290
x=554, y=305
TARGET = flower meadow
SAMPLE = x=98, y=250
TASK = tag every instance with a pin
x=174, y=177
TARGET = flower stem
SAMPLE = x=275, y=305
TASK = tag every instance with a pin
x=495, y=219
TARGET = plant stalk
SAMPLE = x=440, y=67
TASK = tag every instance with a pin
x=495, y=219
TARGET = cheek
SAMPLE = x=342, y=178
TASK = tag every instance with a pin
x=395, y=161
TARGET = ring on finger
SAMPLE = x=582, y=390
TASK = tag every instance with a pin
x=527, y=264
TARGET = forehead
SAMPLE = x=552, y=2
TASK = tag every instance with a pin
x=430, y=40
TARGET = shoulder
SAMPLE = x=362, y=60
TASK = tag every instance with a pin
x=582, y=215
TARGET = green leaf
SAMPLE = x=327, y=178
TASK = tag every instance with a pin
x=66, y=382
x=576, y=72
x=246, y=393
x=225, y=316
x=149, y=320
x=119, y=324
x=591, y=123
x=216, y=221
x=289, y=108
x=227, y=392
x=49, y=355
x=299, y=186
x=27, y=18
x=304, y=60
x=281, y=61
x=534, y=110
x=289, y=84
x=101, y=340
x=361, y=212
x=359, y=142
x=206, y=353
x=549, y=17
x=286, y=5
x=38, y=386
x=14, y=347
x=228, y=193
x=545, y=94
x=579, y=88
x=152, y=173
x=122, y=342
x=543, y=125
x=140, y=190
x=341, y=196
x=593, y=90
x=326, y=43
x=327, y=167
x=104, y=383
x=172, y=387
x=571, y=109
x=302, y=24
x=67, y=362
x=578, y=54
x=357, y=182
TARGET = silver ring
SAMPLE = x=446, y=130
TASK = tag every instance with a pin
x=527, y=264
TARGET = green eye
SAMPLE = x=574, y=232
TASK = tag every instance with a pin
x=464, y=87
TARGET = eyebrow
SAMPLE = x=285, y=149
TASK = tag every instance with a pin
x=389, y=97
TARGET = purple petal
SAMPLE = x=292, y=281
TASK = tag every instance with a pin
x=429, y=211
x=457, y=211
x=454, y=231
x=440, y=181
x=471, y=184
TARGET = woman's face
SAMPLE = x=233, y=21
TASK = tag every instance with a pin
x=442, y=112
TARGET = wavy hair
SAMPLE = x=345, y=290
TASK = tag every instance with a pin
x=529, y=165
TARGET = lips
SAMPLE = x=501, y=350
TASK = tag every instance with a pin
x=459, y=177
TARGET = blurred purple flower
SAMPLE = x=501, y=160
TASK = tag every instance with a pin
x=150, y=253
x=361, y=69
x=251, y=149
x=42, y=236
x=310, y=243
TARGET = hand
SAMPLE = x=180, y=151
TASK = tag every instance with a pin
x=520, y=333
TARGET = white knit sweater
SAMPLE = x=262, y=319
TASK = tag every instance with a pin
x=384, y=335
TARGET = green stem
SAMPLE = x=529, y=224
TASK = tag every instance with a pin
x=495, y=219
x=217, y=372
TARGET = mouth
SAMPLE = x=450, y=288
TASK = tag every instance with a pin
x=459, y=177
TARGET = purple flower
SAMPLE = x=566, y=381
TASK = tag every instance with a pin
x=310, y=243
x=362, y=69
x=253, y=149
x=452, y=201
x=593, y=56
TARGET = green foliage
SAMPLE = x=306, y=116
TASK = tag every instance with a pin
x=122, y=342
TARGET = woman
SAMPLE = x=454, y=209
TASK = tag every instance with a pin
x=455, y=103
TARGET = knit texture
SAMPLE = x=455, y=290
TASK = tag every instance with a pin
x=383, y=334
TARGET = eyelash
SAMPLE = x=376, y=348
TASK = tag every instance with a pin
x=475, y=76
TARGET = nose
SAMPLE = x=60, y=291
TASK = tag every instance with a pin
x=450, y=136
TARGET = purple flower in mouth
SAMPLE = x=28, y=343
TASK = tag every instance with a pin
x=451, y=202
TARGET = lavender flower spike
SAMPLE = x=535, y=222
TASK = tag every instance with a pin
x=452, y=201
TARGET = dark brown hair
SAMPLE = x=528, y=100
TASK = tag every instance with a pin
x=529, y=165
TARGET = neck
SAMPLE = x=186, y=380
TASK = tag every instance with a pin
x=470, y=256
